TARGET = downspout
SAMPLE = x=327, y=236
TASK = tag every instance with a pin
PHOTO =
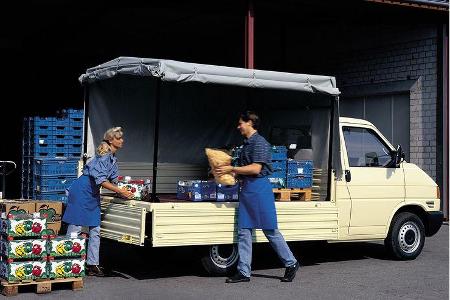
x=249, y=36
x=445, y=127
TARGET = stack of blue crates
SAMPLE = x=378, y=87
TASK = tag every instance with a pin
x=51, y=149
x=299, y=173
x=279, y=158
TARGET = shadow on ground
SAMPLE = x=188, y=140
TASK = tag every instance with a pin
x=122, y=260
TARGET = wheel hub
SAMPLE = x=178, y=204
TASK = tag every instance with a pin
x=409, y=237
x=223, y=256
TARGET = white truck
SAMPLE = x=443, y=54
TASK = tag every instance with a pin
x=363, y=188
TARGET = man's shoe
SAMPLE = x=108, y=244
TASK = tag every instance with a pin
x=289, y=274
x=94, y=270
x=238, y=277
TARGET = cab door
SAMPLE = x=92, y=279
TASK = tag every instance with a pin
x=375, y=184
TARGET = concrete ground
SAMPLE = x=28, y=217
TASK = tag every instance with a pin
x=329, y=271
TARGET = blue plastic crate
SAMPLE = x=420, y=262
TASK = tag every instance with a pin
x=76, y=122
x=41, y=121
x=277, y=182
x=279, y=174
x=56, y=166
x=53, y=183
x=41, y=139
x=62, y=122
x=299, y=181
x=278, y=153
x=68, y=139
x=73, y=148
x=76, y=130
x=227, y=192
x=43, y=130
x=76, y=113
x=301, y=167
x=52, y=196
x=278, y=165
x=196, y=190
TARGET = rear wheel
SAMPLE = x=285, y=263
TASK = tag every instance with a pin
x=220, y=259
x=406, y=236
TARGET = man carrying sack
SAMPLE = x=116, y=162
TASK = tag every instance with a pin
x=256, y=201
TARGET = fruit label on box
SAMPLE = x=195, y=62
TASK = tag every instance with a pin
x=66, y=268
x=52, y=214
x=24, y=249
x=25, y=270
x=67, y=247
x=24, y=227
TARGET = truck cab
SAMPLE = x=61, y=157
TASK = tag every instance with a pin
x=390, y=198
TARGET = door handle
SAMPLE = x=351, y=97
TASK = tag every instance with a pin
x=348, y=176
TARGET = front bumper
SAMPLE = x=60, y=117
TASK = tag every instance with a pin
x=434, y=222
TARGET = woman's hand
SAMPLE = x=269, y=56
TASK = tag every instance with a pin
x=126, y=194
x=222, y=170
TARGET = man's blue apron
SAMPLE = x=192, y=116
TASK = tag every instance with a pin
x=257, y=204
x=83, y=205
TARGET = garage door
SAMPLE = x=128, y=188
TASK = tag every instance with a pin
x=389, y=113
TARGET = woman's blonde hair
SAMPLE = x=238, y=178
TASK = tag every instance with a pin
x=104, y=147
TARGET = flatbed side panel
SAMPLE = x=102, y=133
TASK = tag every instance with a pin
x=123, y=223
x=181, y=224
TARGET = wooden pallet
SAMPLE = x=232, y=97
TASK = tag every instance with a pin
x=42, y=286
x=292, y=194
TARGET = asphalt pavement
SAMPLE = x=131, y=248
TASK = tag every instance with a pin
x=329, y=271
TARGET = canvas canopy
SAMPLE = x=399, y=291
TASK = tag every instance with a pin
x=170, y=70
x=172, y=110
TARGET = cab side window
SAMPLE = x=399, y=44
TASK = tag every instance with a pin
x=365, y=148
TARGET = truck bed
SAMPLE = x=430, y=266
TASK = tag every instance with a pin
x=173, y=222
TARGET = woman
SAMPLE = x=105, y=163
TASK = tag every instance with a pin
x=256, y=201
x=83, y=206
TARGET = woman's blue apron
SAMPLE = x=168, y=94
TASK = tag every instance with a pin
x=83, y=205
x=257, y=204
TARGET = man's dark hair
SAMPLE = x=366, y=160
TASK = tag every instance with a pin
x=251, y=116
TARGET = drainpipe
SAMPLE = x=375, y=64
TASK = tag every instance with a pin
x=249, y=36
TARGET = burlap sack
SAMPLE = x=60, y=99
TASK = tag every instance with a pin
x=218, y=158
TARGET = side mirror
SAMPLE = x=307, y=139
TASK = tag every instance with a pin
x=399, y=156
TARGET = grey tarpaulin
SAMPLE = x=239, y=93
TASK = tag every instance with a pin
x=119, y=97
x=170, y=70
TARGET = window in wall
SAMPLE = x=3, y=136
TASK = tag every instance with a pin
x=365, y=148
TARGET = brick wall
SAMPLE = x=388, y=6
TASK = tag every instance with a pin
x=384, y=56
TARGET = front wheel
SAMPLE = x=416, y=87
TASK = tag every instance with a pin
x=406, y=236
x=220, y=259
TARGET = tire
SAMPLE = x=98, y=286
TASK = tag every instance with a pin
x=220, y=260
x=406, y=236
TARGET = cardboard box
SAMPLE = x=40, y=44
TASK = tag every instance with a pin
x=15, y=207
x=66, y=268
x=34, y=248
x=51, y=210
x=66, y=247
x=23, y=227
x=24, y=270
x=53, y=228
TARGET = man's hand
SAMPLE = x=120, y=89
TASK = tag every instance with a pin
x=222, y=170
